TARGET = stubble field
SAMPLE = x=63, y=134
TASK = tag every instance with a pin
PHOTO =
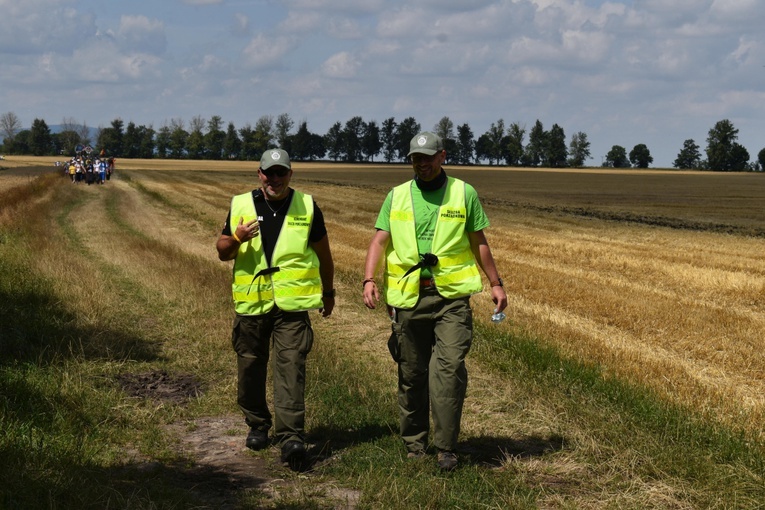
x=650, y=282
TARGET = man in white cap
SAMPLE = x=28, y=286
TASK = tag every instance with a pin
x=282, y=268
x=430, y=234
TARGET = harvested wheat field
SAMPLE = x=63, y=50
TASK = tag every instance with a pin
x=658, y=276
x=629, y=373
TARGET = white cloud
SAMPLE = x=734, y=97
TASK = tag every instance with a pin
x=264, y=52
x=141, y=34
x=340, y=65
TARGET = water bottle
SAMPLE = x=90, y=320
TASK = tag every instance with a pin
x=497, y=316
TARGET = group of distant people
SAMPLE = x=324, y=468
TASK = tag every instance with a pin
x=96, y=170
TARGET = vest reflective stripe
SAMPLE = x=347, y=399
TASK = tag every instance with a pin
x=456, y=274
x=297, y=284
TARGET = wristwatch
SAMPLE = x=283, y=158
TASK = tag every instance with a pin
x=497, y=282
x=328, y=293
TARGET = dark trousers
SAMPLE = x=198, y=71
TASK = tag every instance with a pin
x=290, y=336
x=430, y=343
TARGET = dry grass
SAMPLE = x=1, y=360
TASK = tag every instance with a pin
x=680, y=310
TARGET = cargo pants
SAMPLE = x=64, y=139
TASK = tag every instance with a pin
x=430, y=343
x=290, y=336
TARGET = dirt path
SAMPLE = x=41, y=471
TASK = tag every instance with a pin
x=223, y=469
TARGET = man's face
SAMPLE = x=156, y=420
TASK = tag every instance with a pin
x=275, y=182
x=427, y=167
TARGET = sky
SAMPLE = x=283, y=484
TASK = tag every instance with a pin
x=653, y=72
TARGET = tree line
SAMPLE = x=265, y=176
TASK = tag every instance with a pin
x=362, y=141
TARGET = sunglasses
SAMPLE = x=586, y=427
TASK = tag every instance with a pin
x=423, y=158
x=279, y=171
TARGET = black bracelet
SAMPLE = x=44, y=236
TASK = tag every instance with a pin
x=328, y=293
x=364, y=283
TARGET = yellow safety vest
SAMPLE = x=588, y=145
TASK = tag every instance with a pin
x=297, y=284
x=456, y=274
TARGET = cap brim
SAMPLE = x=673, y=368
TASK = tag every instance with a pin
x=271, y=164
x=427, y=152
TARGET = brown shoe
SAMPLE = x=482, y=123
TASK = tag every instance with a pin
x=447, y=460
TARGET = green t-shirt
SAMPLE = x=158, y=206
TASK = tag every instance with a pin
x=426, y=205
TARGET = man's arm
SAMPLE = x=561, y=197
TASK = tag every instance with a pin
x=326, y=272
x=482, y=252
x=377, y=248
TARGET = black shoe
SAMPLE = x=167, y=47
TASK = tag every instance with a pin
x=293, y=453
x=257, y=439
x=447, y=460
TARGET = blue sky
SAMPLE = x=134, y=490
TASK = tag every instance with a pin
x=624, y=72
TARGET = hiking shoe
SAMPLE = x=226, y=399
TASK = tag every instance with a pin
x=447, y=460
x=257, y=439
x=293, y=454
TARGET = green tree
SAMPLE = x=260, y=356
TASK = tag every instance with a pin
x=483, y=148
x=535, y=150
x=110, y=139
x=333, y=141
x=131, y=141
x=640, y=156
x=444, y=128
x=214, y=138
x=284, y=125
x=22, y=142
x=579, y=149
x=513, y=144
x=163, y=141
x=195, y=144
x=371, y=145
x=300, y=142
x=69, y=137
x=249, y=144
x=761, y=159
x=465, y=145
x=352, y=137
x=405, y=131
x=689, y=156
x=178, y=139
x=617, y=157
x=66, y=141
x=388, y=139
x=494, y=138
x=40, y=138
x=264, y=135
x=148, y=143
x=721, y=154
x=739, y=158
x=232, y=145
x=556, y=153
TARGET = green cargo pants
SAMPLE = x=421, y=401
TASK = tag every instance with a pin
x=429, y=343
x=291, y=337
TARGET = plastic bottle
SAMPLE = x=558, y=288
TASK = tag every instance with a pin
x=498, y=316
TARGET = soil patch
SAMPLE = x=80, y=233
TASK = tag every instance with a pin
x=160, y=385
x=223, y=469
